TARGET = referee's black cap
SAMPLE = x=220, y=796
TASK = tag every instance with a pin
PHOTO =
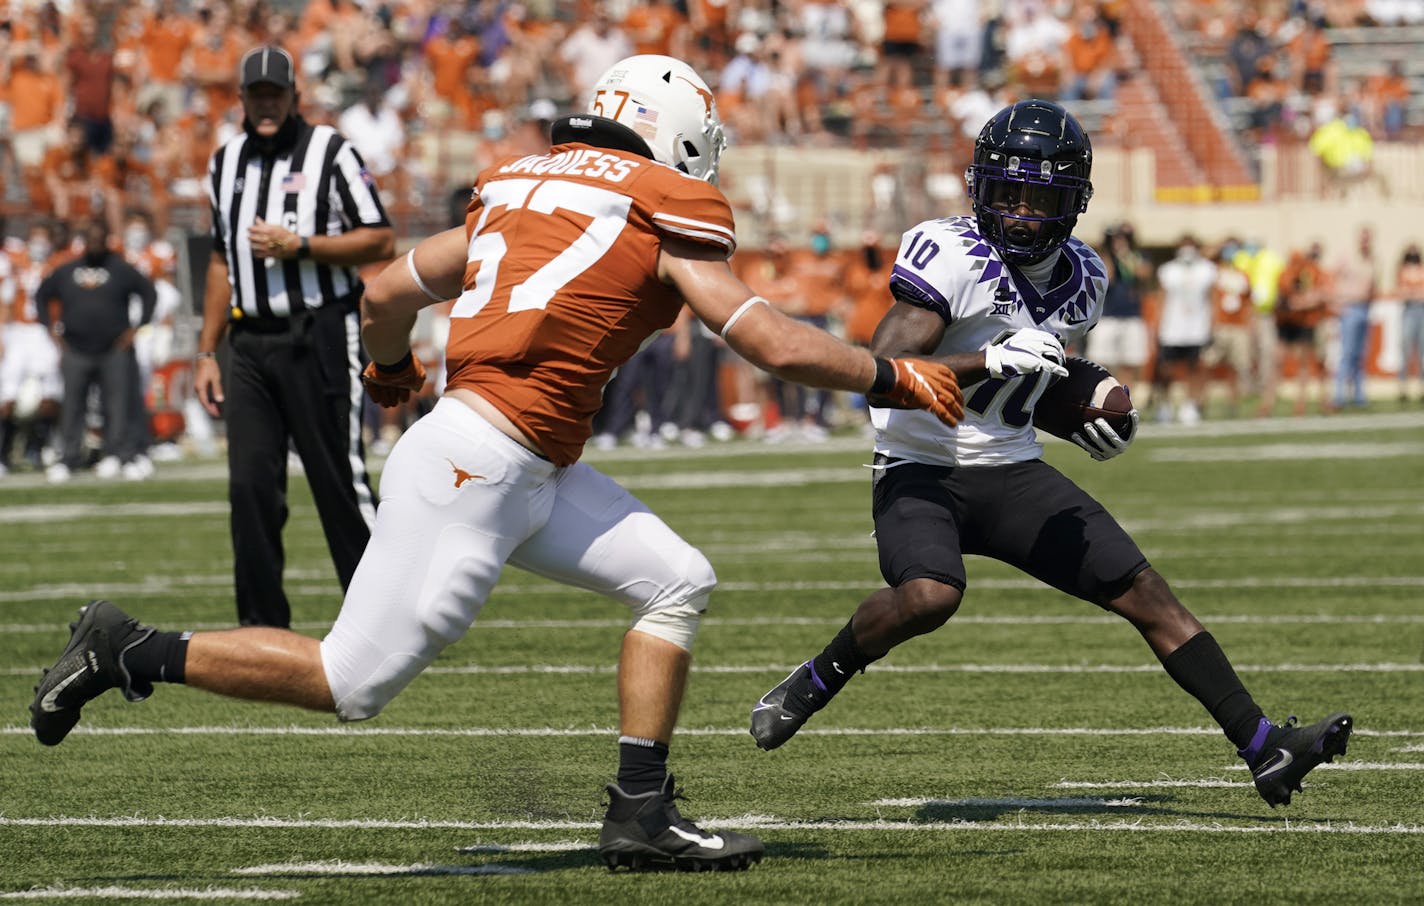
x=267, y=64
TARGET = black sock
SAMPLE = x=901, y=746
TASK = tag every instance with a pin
x=160, y=658
x=838, y=662
x=40, y=431
x=642, y=765
x=7, y=439
x=1200, y=667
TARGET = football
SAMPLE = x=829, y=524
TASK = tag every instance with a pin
x=1087, y=393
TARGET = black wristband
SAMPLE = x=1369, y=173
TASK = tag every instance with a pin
x=304, y=248
x=884, y=376
x=395, y=367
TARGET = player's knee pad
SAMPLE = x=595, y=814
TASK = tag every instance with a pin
x=363, y=676
x=676, y=615
x=676, y=623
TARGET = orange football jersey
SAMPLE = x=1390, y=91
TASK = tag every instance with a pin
x=561, y=283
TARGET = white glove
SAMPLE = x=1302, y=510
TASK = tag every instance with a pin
x=1101, y=441
x=1026, y=351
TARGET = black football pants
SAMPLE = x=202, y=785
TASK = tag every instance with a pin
x=294, y=382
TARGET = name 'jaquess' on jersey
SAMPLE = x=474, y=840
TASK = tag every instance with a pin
x=946, y=267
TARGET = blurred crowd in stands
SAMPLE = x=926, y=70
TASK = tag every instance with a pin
x=1243, y=316
x=120, y=103
x=109, y=110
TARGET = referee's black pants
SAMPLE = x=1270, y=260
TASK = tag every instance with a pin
x=297, y=379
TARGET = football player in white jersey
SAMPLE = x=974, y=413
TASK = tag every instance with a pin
x=998, y=295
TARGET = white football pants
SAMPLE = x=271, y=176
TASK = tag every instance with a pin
x=459, y=499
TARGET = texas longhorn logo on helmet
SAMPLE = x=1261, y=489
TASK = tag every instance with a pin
x=703, y=93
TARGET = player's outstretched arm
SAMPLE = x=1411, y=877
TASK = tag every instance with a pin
x=429, y=273
x=793, y=350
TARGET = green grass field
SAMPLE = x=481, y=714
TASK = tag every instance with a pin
x=1031, y=751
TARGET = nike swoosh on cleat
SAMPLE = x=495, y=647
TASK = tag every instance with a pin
x=787, y=717
x=48, y=703
x=837, y=666
x=713, y=842
x=1277, y=766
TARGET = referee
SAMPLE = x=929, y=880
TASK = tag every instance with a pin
x=294, y=212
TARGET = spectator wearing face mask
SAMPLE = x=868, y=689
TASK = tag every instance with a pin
x=1409, y=283
x=822, y=278
x=1355, y=282
x=1120, y=342
x=375, y=128
x=1088, y=70
x=1304, y=303
x=1232, y=320
x=1184, y=329
x=1263, y=266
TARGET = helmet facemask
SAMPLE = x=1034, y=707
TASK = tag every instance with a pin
x=1024, y=209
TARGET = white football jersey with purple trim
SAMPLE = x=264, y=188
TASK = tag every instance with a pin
x=945, y=266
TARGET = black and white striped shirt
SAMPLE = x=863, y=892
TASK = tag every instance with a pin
x=316, y=187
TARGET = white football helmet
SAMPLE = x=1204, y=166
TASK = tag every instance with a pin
x=665, y=102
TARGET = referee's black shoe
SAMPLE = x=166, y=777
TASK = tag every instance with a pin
x=91, y=664
x=1289, y=752
x=646, y=832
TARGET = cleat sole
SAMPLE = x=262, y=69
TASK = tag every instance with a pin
x=639, y=862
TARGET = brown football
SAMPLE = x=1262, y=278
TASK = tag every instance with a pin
x=1088, y=392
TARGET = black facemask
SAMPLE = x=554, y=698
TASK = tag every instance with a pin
x=284, y=139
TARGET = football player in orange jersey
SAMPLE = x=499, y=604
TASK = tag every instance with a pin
x=567, y=262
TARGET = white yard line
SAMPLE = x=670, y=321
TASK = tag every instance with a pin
x=530, y=846
x=1355, y=766
x=754, y=822
x=912, y=669
x=596, y=731
x=1148, y=784
x=366, y=869
x=1306, y=619
x=165, y=585
x=1010, y=802
x=117, y=892
x=1019, y=669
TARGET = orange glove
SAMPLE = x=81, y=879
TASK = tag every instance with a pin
x=914, y=383
x=391, y=385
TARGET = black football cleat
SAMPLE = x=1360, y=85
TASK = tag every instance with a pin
x=91, y=664
x=646, y=832
x=783, y=710
x=1290, y=752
